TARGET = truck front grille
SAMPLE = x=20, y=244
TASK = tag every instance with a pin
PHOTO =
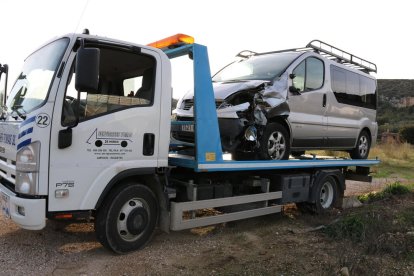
x=8, y=173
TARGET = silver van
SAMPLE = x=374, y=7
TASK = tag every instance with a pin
x=276, y=104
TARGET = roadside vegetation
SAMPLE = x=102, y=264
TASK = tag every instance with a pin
x=385, y=225
x=394, y=189
x=397, y=160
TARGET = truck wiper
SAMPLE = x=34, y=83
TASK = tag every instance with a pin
x=16, y=108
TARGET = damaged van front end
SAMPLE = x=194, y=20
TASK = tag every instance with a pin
x=243, y=111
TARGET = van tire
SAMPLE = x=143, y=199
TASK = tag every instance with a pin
x=274, y=143
x=127, y=219
x=361, y=151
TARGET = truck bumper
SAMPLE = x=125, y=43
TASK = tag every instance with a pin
x=28, y=213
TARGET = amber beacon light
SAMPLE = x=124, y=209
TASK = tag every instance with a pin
x=175, y=40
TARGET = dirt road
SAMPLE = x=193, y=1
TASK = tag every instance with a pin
x=273, y=245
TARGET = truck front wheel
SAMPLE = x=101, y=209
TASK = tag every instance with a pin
x=127, y=219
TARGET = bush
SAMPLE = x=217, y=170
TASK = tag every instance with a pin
x=393, y=189
x=407, y=133
x=352, y=227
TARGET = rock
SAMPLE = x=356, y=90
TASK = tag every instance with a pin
x=351, y=202
x=410, y=233
x=344, y=271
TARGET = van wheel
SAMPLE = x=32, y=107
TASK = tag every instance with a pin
x=127, y=219
x=274, y=143
x=363, y=146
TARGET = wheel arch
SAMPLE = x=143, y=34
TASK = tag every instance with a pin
x=364, y=128
x=282, y=119
x=337, y=175
x=146, y=177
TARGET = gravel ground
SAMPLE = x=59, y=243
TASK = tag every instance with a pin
x=259, y=246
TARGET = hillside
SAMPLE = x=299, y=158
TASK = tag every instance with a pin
x=390, y=116
x=398, y=88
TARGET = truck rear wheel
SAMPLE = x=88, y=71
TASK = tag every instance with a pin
x=127, y=219
x=324, y=197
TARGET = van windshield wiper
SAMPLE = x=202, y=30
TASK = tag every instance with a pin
x=15, y=109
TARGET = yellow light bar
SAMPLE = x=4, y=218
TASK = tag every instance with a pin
x=174, y=40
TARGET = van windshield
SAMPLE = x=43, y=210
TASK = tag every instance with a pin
x=32, y=85
x=259, y=67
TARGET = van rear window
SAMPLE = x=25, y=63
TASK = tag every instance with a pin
x=352, y=88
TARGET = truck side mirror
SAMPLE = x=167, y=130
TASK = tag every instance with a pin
x=294, y=89
x=4, y=69
x=87, y=69
x=65, y=138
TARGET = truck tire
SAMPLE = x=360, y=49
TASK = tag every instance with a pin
x=363, y=146
x=127, y=219
x=326, y=195
x=274, y=143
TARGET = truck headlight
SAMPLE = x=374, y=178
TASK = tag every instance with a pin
x=27, y=167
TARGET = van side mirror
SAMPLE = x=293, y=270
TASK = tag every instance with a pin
x=87, y=69
x=292, y=76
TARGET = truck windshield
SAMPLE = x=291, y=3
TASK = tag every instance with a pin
x=32, y=85
x=260, y=67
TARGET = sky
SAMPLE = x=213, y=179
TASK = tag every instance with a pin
x=379, y=31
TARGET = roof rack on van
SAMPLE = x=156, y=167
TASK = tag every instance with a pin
x=246, y=54
x=341, y=56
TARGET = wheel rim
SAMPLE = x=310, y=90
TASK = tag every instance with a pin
x=132, y=219
x=276, y=145
x=363, y=145
x=327, y=195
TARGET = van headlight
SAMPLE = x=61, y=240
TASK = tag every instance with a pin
x=27, y=169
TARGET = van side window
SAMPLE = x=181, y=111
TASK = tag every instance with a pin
x=352, y=88
x=309, y=75
x=126, y=79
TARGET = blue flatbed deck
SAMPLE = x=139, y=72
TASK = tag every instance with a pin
x=230, y=165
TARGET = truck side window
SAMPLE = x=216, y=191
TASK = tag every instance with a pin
x=309, y=75
x=126, y=80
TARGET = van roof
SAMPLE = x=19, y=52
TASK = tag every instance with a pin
x=327, y=51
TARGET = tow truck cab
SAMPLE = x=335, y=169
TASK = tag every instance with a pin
x=71, y=128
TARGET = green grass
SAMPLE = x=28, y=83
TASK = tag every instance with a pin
x=352, y=227
x=393, y=189
x=379, y=229
x=397, y=160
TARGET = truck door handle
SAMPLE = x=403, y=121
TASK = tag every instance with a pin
x=324, y=100
x=148, y=145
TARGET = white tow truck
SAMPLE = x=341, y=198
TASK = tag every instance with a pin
x=85, y=136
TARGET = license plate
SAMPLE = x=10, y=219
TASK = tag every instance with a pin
x=187, y=128
x=5, y=204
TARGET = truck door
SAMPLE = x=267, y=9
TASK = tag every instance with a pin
x=308, y=104
x=118, y=128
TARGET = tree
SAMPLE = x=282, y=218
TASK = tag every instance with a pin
x=407, y=133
